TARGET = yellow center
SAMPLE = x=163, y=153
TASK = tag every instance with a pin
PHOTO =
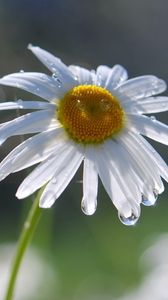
x=90, y=114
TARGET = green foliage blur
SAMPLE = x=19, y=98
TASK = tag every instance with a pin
x=96, y=257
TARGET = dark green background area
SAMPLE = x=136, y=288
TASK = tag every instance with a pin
x=91, y=257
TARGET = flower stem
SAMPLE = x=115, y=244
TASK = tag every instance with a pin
x=25, y=237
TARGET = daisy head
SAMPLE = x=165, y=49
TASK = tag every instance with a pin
x=97, y=118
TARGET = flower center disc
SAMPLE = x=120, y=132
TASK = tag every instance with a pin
x=90, y=114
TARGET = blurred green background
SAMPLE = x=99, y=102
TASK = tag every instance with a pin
x=74, y=256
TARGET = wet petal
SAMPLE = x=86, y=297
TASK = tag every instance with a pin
x=30, y=123
x=149, y=127
x=82, y=75
x=38, y=84
x=61, y=179
x=141, y=87
x=55, y=65
x=20, y=104
x=90, y=184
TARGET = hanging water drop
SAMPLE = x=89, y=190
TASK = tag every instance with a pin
x=128, y=221
x=146, y=201
x=150, y=200
x=88, y=207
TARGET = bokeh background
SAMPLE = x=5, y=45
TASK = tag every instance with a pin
x=73, y=256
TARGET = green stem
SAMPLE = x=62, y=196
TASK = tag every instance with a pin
x=25, y=237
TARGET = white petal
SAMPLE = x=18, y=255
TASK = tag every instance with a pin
x=20, y=104
x=45, y=170
x=38, y=84
x=150, y=127
x=141, y=87
x=119, y=162
x=55, y=65
x=83, y=75
x=151, y=154
x=90, y=184
x=102, y=73
x=30, y=152
x=143, y=165
x=121, y=200
x=29, y=123
x=148, y=105
x=61, y=179
x=115, y=77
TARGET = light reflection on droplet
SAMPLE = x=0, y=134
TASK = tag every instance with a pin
x=58, y=81
x=128, y=221
x=150, y=201
x=88, y=207
x=153, y=118
x=20, y=103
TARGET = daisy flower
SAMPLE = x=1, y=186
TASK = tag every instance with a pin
x=94, y=117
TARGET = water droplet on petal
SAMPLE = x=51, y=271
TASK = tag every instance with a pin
x=149, y=201
x=88, y=207
x=129, y=221
x=99, y=79
x=21, y=71
x=20, y=103
x=58, y=81
x=29, y=46
x=53, y=180
x=76, y=77
x=17, y=84
x=153, y=118
x=146, y=201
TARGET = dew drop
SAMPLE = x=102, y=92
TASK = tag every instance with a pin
x=88, y=207
x=150, y=201
x=58, y=81
x=53, y=69
x=53, y=180
x=21, y=71
x=129, y=221
x=146, y=201
x=30, y=46
x=99, y=79
x=153, y=118
x=54, y=76
x=20, y=103
x=17, y=84
x=76, y=78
